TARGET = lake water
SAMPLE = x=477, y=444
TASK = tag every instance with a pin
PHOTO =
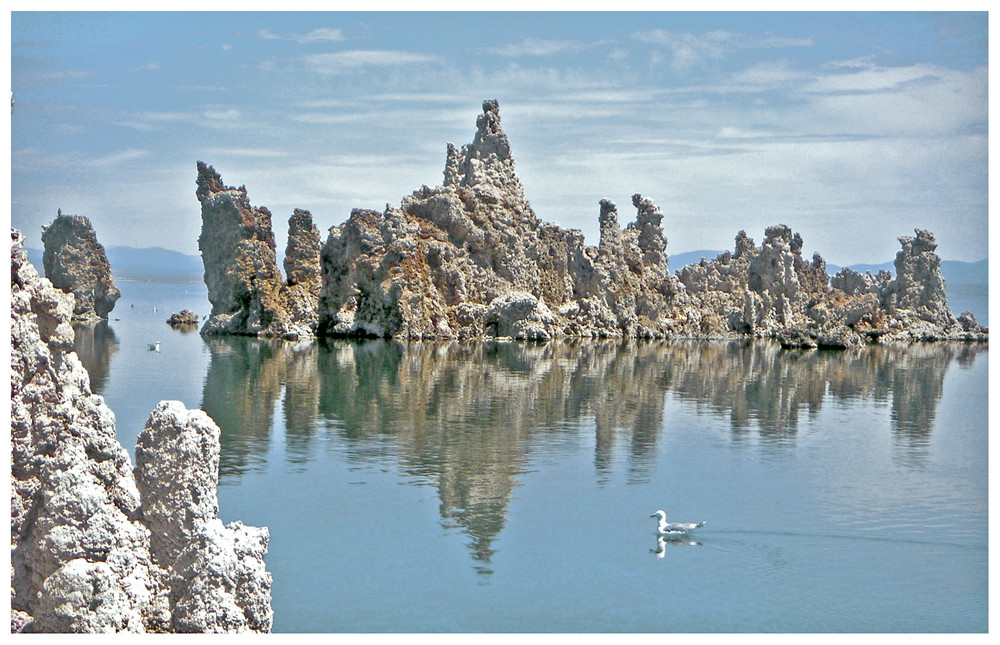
x=503, y=487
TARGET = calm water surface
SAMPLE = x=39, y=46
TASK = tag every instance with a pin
x=500, y=487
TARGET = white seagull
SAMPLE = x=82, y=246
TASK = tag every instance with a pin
x=673, y=528
x=154, y=347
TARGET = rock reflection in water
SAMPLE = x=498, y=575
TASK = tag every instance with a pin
x=464, y=416
x=95, y=344
x=241, y=390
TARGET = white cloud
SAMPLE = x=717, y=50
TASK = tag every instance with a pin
x=124, y=156
x=334, y=117
x=63, y=75
x=259, y=153
x=219, y=114
x=211, y=116
x=860, y=62
x=690, y=50
x=411, y=97
x=356, y=60
x=768, y=75
x=320, y=34
x=919, y=100
x=873, y=78
x=731, y=132
x=537, y=47
x=34, y=159
x=533, y=82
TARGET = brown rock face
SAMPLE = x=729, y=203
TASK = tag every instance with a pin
x=75, y=262
x=302, y=269
x=82, y=557
x=245, y=286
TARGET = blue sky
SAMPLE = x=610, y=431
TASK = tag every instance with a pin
x=852, y=128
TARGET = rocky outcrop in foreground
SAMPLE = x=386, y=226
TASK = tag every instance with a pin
x=96, y=547
x=470, y=259
x=245, y=286
x=75, y=262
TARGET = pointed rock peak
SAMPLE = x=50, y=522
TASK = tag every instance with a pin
x=489, y=121
x=924, y=242
x=744, y=244
x=490, y=137
x=796, y=244
x=646, y=207
x=300, y=219
x=209, y=181
x=609, y=212
x=778, y=232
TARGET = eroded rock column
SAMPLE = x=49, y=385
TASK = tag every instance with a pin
x=75, y=262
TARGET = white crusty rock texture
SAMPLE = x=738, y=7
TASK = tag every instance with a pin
x=83, y=558
x=75, y=262
x=216, y=573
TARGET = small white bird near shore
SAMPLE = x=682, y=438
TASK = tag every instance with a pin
x=154, y=347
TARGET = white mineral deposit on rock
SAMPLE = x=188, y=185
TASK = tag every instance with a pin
x=83, y=553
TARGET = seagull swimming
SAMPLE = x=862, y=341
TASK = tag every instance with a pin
x=154, y=347
x=673, y=528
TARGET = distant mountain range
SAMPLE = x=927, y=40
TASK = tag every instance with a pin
x=153, y=264
x=159, y=264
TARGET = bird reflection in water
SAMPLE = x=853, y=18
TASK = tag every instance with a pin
x=680, y=539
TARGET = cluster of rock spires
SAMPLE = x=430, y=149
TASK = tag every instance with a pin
x=470, y=259
x=75, y=262
x=96, y=546
x=245, y=286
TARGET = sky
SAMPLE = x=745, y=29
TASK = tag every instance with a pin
x=851, y=128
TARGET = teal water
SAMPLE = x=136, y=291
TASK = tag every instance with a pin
x=502, y=487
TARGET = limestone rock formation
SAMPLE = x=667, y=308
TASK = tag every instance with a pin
x=470, y=258
x=302, y=269
x=216, y=573
x=82, y=555
x=245, y=286
x=238, y=251
x=772, y=292
x=919, y=286
x=74, y=261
